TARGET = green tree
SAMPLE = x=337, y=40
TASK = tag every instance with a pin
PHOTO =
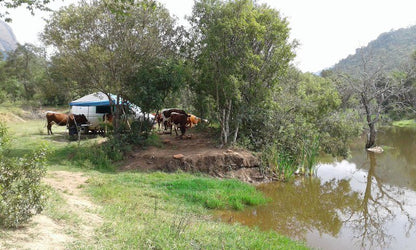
x=240, y=50
x=102, y=49
x=154, y=82
x=23, y=70
x=305, y=109
x=55, y=86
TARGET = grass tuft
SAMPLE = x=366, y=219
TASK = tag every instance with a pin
x=214, y=194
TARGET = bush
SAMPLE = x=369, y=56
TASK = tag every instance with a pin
x=21, y=193
x=137, y=136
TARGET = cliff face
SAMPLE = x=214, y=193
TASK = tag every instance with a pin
x=7, y=39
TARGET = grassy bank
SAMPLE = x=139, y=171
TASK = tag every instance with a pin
x=146, y=210
x=164, y=211
x=405, y=123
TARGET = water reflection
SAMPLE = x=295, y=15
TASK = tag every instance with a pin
x=398, y=165
x=380, y=206
x=368, y=202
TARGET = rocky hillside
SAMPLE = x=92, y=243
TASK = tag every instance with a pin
x=390, y=50
x=7, y=39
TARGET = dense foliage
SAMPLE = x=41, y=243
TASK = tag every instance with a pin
x=24, y=75
x=21, y=193
x=305, y=118
x=101, y=49
x=240, y=50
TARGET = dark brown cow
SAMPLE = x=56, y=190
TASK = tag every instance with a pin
x=180, y=120
x=63, y=120
x=166, y=115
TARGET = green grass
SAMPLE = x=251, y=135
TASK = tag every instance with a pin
x=167, y=211
x=56, y=208
x=146, y=210
x=63, y=153
x=212, y=193
x=405, y=123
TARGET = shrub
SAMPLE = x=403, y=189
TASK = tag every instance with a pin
x=137, y=136
x=21, y=193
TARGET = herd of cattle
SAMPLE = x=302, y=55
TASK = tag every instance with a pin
x=170, y=119
x=177, y=118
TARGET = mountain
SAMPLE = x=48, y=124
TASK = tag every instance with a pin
x=390, y=50
x=8, y=41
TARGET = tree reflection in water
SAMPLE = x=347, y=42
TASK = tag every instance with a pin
x=363, y=208
x=379, y=206
x=302, y=206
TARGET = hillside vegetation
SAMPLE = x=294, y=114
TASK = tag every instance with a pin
x=391, y=50
x=380, y=79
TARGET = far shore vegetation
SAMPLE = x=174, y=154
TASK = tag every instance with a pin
x=405, y=123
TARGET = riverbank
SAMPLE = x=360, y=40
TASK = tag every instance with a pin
x=196, y=155
x=133, y=209
x=405, y=123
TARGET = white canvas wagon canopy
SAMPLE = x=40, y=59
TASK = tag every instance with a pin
x=94, y=106
x=95, y=99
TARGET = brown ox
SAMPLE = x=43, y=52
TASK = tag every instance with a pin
x=166, y=114
x=63, y=120
x=180, y=120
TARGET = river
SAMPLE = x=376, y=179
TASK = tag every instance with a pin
x=365, y=202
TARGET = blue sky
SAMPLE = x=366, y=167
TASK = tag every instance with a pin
x=328, y=30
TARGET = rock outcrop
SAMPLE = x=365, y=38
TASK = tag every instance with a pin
x=8, y=41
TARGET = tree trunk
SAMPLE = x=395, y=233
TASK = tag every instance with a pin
x=371, y=136
x=225, y=122
x=237, y=126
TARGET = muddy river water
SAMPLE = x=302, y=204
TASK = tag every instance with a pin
x=365, y=202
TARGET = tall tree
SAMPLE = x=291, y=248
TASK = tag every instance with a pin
x=240, y=49
x=103, y=44
x=373, y=88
